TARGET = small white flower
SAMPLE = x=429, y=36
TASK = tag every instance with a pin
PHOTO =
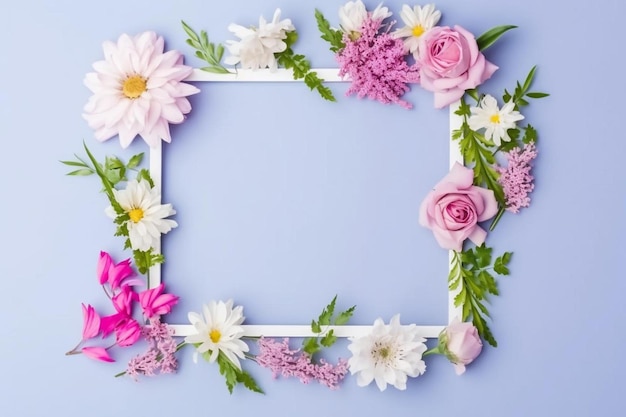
x=256, y=47
x=219, y=331
x=418, y=21
x=147, y=215
x=387, y=355
x=353, y=14
x=494, y=120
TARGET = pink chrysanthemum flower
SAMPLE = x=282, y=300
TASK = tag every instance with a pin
x=281, y=360
x=516, y=179
x=376, y=65
x=137, y=90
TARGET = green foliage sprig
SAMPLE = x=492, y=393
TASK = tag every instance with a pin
x=333, y=36
x=471, y=275
x=326, y=336
x=234, y=375
x=205, y=50
x=111, y=173
x=301, y=68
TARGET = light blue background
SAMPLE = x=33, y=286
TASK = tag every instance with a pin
x=346, y=194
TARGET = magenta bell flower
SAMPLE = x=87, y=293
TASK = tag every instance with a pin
x=155, y=303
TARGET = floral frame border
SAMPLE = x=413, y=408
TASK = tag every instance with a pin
x=271, y=330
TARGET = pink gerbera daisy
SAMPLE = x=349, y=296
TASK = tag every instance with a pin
x=137, y=90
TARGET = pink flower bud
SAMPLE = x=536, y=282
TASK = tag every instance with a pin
x=97, y=353
x=461, y=344
x=91, y=322
x=104, y=264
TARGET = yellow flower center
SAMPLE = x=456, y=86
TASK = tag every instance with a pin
x=135, y=215
x=354, y=35
x=215, y=335
x=384, y=352
x=134, y=86
x=418, y=31
x=495, y=119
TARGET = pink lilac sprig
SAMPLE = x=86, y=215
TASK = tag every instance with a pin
x=282, y=360
x=376, y=65
x=161, y=354
x=516, y=179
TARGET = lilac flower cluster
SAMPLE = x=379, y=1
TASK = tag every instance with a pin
x=286, y=362
x=375, y=62
x=160, y=356
x=516, y=179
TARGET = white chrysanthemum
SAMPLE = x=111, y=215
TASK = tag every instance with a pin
x=137, y=90
x=494, y=120
x=218, y=331
x=418, y=21
x=257, y=46
x=388, y=355
x=147, y=215
x=353, y=14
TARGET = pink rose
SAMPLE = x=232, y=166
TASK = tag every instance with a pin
x=461, y=344
x=454, y=207
x=451, y=63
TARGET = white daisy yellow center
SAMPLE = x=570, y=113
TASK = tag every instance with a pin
x=215, y=335
x=136, y=215
x=418, y=31
x=495, y=119
x=134, y=86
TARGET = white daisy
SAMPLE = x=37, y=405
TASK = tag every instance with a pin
x=218, y=331
x=388, y=354
x=418, y=21
x=353, y=14
x=256, y=47
x=147, y=215
x=137, y=90
x=494, y=120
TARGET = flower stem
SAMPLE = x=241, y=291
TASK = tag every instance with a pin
x=496, y=219
x=434, y=351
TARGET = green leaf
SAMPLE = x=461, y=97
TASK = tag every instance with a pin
x=134, y=161
x=537, y=95
x=249, y=382
x=82, y=172
x=315, y=327
x=311, y=346
x=75, y=163
x=228, y=370
x=344, y=316
x=530, y=135
x=144, y=174
x=327, y=313
x=483, y=256
x=329, y=339
x=529, y=78
x=332, y=36
x=489, y=282
x=473, y=93
x=488, y=38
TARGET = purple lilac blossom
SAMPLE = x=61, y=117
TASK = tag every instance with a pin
x=160, y=356
x=516, y=179
x=376, y=65
x=292, y=363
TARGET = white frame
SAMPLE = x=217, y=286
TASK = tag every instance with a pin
x=284, y=75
